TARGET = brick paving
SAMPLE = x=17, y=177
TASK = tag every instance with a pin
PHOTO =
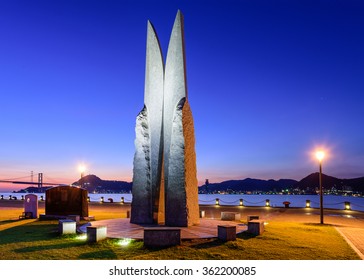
x=122, y=228
x=354, y=237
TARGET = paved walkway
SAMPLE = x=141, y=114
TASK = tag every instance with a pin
x=354, y=237
x=122, y=228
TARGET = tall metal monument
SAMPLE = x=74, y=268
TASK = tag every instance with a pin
x=164, y=175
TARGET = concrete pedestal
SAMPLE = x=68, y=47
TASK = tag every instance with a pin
x=66, y=227
x=162, y=237
x=226, y=233
x=252, y=217
x=95, y=234
x=256, y=227
x=230, y=216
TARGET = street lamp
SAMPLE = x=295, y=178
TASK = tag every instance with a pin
x=82, y=169
x=320, y=156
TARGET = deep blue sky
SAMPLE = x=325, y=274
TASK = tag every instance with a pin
x=268, y=82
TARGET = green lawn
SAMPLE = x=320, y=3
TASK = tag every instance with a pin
x=40, y=240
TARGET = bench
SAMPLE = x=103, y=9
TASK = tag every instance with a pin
x=226, y=233
x=256, y=227
x=66, y=226
x=162, y=237
x=230, y=216
x=26, y=215
x=96, y=233
x=252, y=217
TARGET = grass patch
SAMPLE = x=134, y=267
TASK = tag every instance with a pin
x=281, y=241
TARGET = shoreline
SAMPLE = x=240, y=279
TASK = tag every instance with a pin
x=309, y=215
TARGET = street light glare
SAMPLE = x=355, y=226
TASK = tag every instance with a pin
x=320, y=155
x=82, y=168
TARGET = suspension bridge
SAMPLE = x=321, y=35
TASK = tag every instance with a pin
x=40, y=183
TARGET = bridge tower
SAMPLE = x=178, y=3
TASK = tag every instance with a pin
x=40, y=181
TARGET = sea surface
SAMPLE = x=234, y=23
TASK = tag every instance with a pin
x=330, y=201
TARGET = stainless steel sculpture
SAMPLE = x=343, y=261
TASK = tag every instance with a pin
x=164, y=176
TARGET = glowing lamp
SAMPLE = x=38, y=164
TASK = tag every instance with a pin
x=102, y=199
x=82, y=168
x=241, y=202
x=320, y=155
x=122, y=200
x=267, y=203
x=308, y=204
x=41, y=198
x=88, y=199
x=347, y=205
x=217, y=202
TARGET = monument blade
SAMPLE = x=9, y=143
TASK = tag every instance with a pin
x=180, y=175
x=164, y=174
x=148, y=145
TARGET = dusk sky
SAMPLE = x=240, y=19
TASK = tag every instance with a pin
x=268, y=83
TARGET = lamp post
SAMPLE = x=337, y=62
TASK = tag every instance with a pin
x=82, y=169
x=320, y=156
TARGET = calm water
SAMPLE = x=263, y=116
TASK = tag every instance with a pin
x=330, y=201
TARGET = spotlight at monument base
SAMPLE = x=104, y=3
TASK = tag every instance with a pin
x=125, y=241
x=81, y=237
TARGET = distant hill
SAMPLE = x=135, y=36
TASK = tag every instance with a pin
x=93, y=183
x=308, y=184
x=312, y=181
x=250, y=184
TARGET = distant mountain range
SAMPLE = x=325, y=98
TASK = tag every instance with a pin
x=249, y=185
x=328, y=182
x=308, y=184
